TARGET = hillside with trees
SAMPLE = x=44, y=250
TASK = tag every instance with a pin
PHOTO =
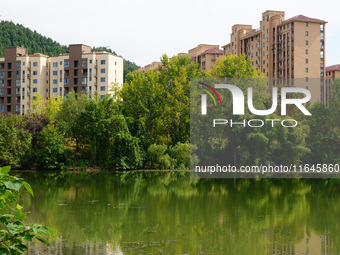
x=17, y=35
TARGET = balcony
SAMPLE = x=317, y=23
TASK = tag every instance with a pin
x=29, y=76
x=95, y=66
x=28, y=68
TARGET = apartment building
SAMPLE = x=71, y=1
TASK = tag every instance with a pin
x=23, y=76
x=154, y=65
x=205, y=55
x=332, y=73
x=284, y=49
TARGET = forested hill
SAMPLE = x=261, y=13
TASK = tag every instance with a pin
x=17, y=35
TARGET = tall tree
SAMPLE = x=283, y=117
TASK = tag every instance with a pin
x=70, y=110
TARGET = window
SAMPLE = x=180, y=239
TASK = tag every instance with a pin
x=55, y=90
x=2, y=108
x=55, y=64
x=55, y=81
x=306, y=70
x=102, y=88
x=18, y=65
x=76, y=63
x=102, y=97
x=55, y=72
x=2, y=74
x=306, y=33
x=84, y=62
x=321, y=54
x=17, y=91
x=288, y=25
x=306, y=60
x=102, y=79
x=35, y=81
x=34, y=98
x=306, y=24
x=84, y=80
x=66, y=63
x=306, y=79
x=35, y=89
x=306, y=42
x=306, y=52
x=35, y=72
x=2, y=92
x=66, y=81
x=90, y=61
x=102, y=70
x=18, y=82
x=35, y=64
x=103, y=62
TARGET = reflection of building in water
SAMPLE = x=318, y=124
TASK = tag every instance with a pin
x=62, y=247
x=313, y=244
x=309, y=244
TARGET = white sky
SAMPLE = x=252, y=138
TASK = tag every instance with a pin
x=141, y=31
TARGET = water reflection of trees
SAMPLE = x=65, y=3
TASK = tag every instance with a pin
x=169, y=211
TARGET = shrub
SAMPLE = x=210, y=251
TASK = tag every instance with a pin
x=14, y=233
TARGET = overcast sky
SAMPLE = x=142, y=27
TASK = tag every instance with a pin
x=141, y=31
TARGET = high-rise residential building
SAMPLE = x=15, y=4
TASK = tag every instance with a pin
x=205, y=55
x=23, y=76
x=282, y=48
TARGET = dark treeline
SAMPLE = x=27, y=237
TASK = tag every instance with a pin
x=17, y=35
x=148, y=126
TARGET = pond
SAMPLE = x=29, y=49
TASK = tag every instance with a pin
x=159, y=212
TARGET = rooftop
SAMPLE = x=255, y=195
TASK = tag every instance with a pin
x=333, y=68
x=213, y=50
x=303, y=18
